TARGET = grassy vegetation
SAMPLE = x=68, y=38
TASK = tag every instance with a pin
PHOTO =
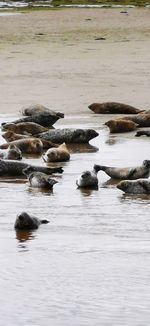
x=96, y=2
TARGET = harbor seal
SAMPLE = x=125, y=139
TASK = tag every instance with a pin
x=113, y=108
x=142, y=133
x=140, y=186
x=30, y=128
x=88, y=179
x=25, y=221
x=59, y=154
x=12, y=153
x=142, y=119
x=130, y=173
x=26, y=146
x=15, y=168
x=39, y=179
x=38, y=108
x=120, y=125
x=69, y=135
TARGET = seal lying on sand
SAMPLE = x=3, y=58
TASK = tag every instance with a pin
x=143, y=133
x=38, y=108
x=130, y=173
x=88, y=178
x=44, y=119
x=59, y=154
x=142, y=119
x=39, y=179
x=140, y=186
x=113, y=108
x=120, y=125
x=28, y=146
x=69, y=136
x=12, y=153
x=24, y=221
x=24, y=128
x=15, y=168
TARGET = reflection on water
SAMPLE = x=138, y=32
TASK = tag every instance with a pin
x=88, y=266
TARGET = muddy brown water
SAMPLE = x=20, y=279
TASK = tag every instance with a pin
x=90, y=264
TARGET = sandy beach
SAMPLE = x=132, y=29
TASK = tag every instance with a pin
x=55, y=58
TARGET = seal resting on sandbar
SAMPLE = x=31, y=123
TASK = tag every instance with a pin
x=113, y=108
x=27, y=146
x=24, y=128
x=12, y=153
x=59, y=154
x=140, y=186
x=39, y=179
x=120, y=125
x=142, y=119
x=69, y=135
x=15, y=168
x=38, y=108
x=24, y=221
x=142, y=133
x=130, y=173
x=88, y=178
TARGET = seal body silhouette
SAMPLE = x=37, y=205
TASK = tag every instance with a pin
x=69, y=135
x=113, y=108
x=24, y=128
x=140, y=186
x=59, y=154
x=38, y=108
x=142, y=119
x=12, y=153
x=25, y=221
x=130, y=173
x=143, y=133
x=120, y=125
x=88, y=178
x=28, y=146
x=15, y=168
x=39, y=179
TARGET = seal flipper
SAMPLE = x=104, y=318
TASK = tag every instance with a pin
x=44, y=221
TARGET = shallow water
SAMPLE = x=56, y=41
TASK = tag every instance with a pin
x=90, y=264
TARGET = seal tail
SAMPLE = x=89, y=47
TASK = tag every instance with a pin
x=44, y=221
x=99, y=167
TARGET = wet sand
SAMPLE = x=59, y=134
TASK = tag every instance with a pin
x=90, y=265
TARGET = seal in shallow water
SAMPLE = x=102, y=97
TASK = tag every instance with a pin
x=39, y=179
x=24, y=128
x=28, y=146
x=59, y=154
x=12, y=153
x=130, y=173
x=113, y=108
x=24, y=221
x=120, y=125
x=140, y=186
x=69, y=135
x=15, y=168
x=88, y=178
x=38, y=108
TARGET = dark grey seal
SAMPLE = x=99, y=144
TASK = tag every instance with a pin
x=39, y=179
x=12, y=153
x=142, y=133
x=69, y=136
x=130, y=173
x=140, y=186
x=15, y=168
x=113, y=108
x=24, y=221
x=38, y=108
x=88, y=178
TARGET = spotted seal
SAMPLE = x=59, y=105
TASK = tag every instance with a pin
x=113, y=108
x=120, y=125
x=24, y=128
x=38, y=108
x=15, y=168
x=38, y=179
x=27, y=146
x=25, y=221
x=130, y=173
x=12, y=153
x=140, y=186
x=59, y=154
x=69, y=135
x=88, y=178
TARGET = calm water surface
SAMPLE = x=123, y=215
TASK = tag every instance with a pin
x=90, y=265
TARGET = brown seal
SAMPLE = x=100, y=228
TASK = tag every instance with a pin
x=120, y=125
x=25, y=221
x=59, y=154
x=113, y=108
x=28, y=146
x=38, y=108
x=24, y=128
x=142, y=119
x=140, y=186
